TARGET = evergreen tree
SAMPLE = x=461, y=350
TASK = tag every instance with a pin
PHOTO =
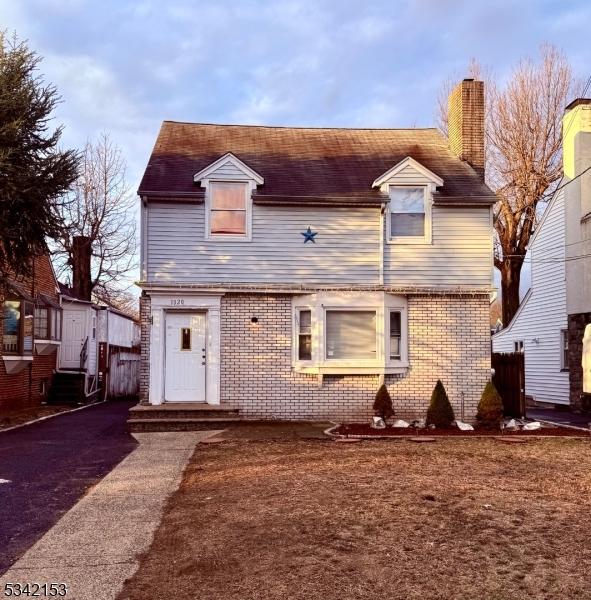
x=34, y=173
x=382, y=405
x=490, y=407
x=440, y=412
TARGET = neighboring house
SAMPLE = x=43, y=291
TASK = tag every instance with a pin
x=99, y=355
x=30, y=333
x=539, y=328
x=553, y=324
x=577, y=176
x=286, y=272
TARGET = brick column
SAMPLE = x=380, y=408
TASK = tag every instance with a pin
x=576, y=329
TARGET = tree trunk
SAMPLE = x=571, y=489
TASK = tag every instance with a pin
x=510, y=278
x=81, y=276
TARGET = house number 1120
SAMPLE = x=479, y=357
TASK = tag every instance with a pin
x=177, y=302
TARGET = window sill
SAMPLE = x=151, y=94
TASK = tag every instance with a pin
x=410, y=242
x=44, y=347
x=228, y=238
x=15, y=364
x=350, y=370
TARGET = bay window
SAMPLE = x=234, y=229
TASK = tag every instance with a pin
x=48, y=320
x=228, y=209
x=350, y=332
x=17, y=327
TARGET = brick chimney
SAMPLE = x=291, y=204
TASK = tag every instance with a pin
x=465, y=123
x=80, y=261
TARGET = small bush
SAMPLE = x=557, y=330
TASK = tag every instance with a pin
x=382, y=405
x=440, y=412
x=490, y=407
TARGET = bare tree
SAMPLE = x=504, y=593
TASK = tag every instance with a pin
x=102, y=216
x=523, y=155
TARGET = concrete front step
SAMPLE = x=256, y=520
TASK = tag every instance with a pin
x=181, y=413
x=174, y=423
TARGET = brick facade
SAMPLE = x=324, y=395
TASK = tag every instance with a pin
x=24, y=389
x=448, y=339
x=576, y=330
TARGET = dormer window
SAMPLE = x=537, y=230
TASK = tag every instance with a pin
x=409, y=214
x=228, y=209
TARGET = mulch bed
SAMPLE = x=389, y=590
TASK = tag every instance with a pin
x=361, y=429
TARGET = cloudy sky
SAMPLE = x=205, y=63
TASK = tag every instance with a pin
x=123, y=66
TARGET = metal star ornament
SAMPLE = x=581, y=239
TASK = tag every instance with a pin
x=309, y=235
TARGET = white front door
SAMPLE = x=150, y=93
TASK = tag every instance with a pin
x=184, y=378
x=73, y=336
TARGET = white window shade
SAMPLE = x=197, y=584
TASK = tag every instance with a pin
x=407, y=212
x=350, y=334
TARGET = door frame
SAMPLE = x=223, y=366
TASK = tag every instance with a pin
x=168, y=313
x=184, y=301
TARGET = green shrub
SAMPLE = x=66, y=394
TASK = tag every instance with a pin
x=440, y=412
x=382, y=405
x=490, y=407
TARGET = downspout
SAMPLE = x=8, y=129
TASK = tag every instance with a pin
x=381, y=272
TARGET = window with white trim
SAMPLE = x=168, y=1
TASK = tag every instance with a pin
x=350, y=334
x=304, y=333
x=409, y=215
x=395, y=334
x=228, y=209
x=564, y=349
x=518, y=346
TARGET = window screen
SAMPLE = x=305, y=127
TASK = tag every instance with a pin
x=395, y=334
x=304, y=335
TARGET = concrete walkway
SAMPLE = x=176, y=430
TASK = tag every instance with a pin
x=94, y=547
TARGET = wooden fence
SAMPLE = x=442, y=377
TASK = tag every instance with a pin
x=509, y=379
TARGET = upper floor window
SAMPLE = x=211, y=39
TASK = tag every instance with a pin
x=228, y=209
x=409, y=215
x=17, y=327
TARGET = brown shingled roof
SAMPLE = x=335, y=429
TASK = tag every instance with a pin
x=320, y=163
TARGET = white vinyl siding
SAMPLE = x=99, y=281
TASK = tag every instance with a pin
x=346, y=249
x=460, y=253
x=542, y=314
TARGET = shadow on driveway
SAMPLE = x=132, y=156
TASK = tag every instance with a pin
x=50, y=465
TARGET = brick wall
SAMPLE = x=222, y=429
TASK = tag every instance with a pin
x=466, y=123
x=23, y=390
x=448, y=339
x=145, y=349
x=576, y=330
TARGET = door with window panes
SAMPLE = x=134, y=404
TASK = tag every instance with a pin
x=186, y=357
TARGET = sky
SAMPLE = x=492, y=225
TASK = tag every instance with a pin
x=123, y=66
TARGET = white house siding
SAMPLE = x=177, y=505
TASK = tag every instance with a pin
x=346, y=249
x=460, y=253
x=123, y=331
x=346, y=252
x=542, y=314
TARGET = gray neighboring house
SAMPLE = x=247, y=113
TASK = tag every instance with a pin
x=287, y=272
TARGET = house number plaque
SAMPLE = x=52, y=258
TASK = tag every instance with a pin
x=177, y=302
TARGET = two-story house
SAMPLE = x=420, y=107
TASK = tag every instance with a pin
x=287, y=272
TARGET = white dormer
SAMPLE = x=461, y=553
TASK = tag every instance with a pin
x=229, y=184
x=410, y=187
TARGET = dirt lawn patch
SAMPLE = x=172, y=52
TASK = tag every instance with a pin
x=305, y=519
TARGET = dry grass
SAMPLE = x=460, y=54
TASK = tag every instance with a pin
x=26, y=415
x=320, y=520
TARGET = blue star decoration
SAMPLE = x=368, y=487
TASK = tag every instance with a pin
x=309, y=235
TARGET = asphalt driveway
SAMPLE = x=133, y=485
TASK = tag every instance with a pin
x=50, y=465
